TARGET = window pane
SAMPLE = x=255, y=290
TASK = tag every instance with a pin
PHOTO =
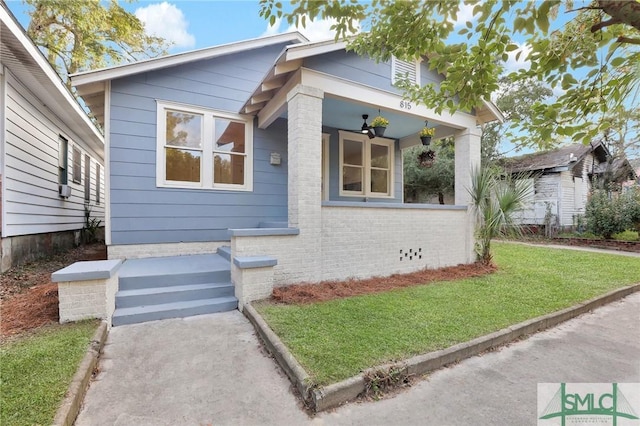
x=228, y=168
x=352, y=152
x=184, y=129
x=183, y=165
x=352, y=178
x=229, y=136
x=87, y=179
x=380, y=181
x=380, y=156
x=98, y=183
x=77, y=165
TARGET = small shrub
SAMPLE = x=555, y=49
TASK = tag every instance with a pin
x=626, y=236
x=607, y=215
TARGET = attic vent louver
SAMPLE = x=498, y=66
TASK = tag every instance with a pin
x=401, y=69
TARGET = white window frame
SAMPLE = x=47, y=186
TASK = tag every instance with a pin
x=394, y=71
x=206, y=166
x=366, y=164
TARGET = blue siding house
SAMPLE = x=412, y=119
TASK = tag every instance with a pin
x=262, y=150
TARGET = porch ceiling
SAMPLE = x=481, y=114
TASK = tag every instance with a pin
x=346, y=115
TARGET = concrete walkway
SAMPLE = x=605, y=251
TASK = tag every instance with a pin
x=202, y=370
x=211, y=370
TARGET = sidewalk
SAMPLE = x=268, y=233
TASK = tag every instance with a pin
x=501, y=387
x=211, y=369
x=578, y=248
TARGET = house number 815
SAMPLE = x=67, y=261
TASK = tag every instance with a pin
x=405, y=105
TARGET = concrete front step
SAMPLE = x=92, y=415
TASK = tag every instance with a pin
x=180, y=293
x=173, y=279
x=139, y=314
x=225, y=252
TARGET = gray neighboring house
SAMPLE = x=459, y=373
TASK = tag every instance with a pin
x=51, y=154
x=561, y=180
x=261, y=151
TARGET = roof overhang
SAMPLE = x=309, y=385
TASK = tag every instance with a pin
x=91, y=84
x=28, y=64
x=291, y=61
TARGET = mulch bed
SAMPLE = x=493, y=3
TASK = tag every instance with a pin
x=28, y=298
x=329, y=290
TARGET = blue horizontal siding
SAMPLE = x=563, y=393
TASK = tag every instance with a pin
x=143, y=213
x=350, y=66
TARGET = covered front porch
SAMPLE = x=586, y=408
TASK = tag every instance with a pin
x=346, y=217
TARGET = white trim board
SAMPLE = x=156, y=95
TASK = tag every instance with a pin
x=88, y=77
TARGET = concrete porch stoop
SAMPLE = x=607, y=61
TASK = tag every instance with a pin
x=173, y=287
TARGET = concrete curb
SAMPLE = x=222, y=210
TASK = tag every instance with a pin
x=70, y=407
x=274, y=345
x=338, y=393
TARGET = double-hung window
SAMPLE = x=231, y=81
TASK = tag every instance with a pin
x=366, y=166
x=201, y=148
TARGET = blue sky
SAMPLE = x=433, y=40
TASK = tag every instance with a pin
x=195, y=24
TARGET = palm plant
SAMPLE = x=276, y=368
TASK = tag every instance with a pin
x=495, y=199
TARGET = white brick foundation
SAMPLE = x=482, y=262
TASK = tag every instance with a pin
x=138, y=251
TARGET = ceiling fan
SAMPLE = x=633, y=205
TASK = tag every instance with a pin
x=366, y=129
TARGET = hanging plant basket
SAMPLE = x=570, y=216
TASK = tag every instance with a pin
x=427, y=158
x=426, y=140
x=379, y=131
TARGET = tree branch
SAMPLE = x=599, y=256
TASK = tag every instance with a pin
x=628, y=40
x=601, y=25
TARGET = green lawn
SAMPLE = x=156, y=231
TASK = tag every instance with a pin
x=36, y=370
x=337, y=339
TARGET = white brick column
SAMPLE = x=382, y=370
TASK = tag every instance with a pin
x=467, y=159
x=305, y=173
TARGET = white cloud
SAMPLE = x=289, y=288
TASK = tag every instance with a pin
x=167, y=21
x=316, y=30
x=272, y=29
x=465, y=13
x=514, y=64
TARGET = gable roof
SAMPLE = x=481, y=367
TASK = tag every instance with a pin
x=559, y=159
x=91, y=84
x=25, y=60
x=290, y=60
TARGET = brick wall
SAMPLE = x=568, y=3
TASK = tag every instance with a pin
x=362, y=242
x=80, y=300
x=137, y=251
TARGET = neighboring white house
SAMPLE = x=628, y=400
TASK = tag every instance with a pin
x=51, y=154
x=561, y=180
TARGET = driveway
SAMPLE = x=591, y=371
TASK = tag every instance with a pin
x=212, y=370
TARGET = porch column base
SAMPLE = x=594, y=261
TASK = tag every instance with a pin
x=252, y=278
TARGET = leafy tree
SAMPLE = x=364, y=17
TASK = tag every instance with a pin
x=80, y=35
x=515, y=100
x=436, y=180
x=600, y=41
x=495, y=201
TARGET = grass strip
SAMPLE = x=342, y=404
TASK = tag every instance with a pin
x=337, y=339
x=36, y=370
